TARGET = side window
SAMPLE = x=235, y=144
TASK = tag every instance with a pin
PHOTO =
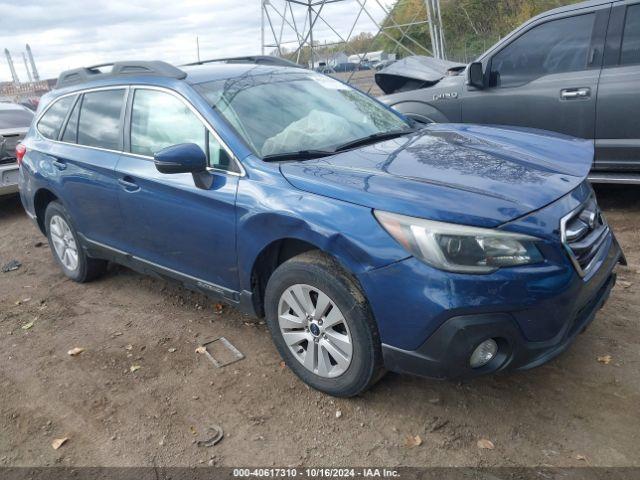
x=99, y=123
x=218, y=157
x=630, y=52
x=71, y=130
x=159, y=120
x=557, y=46
x=51, y=122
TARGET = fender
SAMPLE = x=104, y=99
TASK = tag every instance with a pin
x=420, y=111
x=269, y=209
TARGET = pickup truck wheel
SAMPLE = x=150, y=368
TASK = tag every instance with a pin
x=66, y=247
x=322, y=326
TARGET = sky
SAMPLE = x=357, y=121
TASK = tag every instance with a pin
x=67, y=34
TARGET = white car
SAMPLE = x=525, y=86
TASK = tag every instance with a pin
x=14, y=124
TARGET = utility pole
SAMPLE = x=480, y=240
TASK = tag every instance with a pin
x=198, y=48
x=434, y=18
x=262, y=7
x=311, y=35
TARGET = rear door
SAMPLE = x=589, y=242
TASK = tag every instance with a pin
x=92, y=142
x=618, y=110
x=546, y=77
x=171, y=223
x=83, y=135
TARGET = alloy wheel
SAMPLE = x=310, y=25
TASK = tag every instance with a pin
x=315, y=330
x=64, y=243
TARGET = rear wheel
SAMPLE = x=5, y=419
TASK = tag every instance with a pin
x=322, y=325
x=66, y=247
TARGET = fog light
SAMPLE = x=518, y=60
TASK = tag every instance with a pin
x=483, y=353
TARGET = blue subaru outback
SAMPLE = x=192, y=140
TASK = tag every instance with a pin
x=368, y=244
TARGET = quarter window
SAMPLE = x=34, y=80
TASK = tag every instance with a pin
x=557, y=46
x=159, y=120
x=630, y=52
x=71, y=130
x=99, y=123
x=51, y=122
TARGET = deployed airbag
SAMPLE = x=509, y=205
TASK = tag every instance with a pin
x=315, y=131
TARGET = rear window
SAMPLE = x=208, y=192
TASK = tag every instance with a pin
x=99, y=124
x=15, y=118
x=51, y=122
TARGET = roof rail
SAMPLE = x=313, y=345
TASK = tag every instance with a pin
x=257, y=59
x=119, y=69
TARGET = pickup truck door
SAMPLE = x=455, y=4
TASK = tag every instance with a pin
x=545, y=76
x=618, y=118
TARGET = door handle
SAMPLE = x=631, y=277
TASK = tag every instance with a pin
x=128, y=184
x=572, y=93
x=59, y=165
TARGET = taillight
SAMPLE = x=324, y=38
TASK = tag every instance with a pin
x=20, y=151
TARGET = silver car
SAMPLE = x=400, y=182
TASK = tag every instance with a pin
x=14, y=124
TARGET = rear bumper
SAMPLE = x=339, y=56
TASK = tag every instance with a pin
x=446, y=353
x=9, y=178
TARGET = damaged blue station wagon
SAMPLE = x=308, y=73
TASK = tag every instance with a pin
x=369, y=244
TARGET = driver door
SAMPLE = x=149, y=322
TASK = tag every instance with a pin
x=547, y=77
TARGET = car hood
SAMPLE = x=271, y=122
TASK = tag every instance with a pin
x=470, y=174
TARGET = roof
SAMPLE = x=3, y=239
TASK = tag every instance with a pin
x=158, y=72
x=210, y=72
x=574, y=6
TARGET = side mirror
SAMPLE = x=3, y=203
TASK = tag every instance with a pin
x=475, y=75
x=181, y=158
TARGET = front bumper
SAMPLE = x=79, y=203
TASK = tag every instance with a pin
x=431, y=321
x=446, y=353
x=8, y=178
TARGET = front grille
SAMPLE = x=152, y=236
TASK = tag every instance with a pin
x=584, y=232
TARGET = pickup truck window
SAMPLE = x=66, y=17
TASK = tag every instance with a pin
x=630, y=52
x=554, y=47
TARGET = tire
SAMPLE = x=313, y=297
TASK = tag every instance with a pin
x=345, y=328
x=62, y=235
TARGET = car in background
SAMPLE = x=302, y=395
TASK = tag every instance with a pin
x=446, y=251
x=15, y=121
x=574, y=70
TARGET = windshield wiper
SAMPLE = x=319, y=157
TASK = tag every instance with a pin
x=376, y=137
x=299, y=155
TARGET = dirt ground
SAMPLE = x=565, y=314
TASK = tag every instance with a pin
x=575, y=411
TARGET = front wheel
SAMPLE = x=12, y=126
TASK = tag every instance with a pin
x=322, y=326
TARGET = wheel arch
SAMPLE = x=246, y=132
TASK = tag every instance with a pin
x=41, y=200
x=275, y=253
x=420, y=111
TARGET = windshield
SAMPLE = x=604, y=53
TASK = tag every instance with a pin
x=283, y=111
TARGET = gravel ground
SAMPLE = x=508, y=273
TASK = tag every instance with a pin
x=575, y=411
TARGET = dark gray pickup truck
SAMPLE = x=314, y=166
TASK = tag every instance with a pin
x=573, y=70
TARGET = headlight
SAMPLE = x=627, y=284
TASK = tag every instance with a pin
x=459, y=248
